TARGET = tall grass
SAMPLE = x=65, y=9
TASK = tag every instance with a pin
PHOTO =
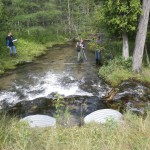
x=116, y=70
x=119, y=69
x=132, y=134
x=26, y=51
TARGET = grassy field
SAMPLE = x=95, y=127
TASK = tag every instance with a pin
x=132, y=134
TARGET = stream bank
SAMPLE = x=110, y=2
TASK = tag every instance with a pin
x=27, y=51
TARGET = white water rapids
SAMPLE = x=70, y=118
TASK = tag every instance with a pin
x=55, y=72
x=63, y=84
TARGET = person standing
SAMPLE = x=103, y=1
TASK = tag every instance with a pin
x=10, y=44
x=98, y=51
x=80, y=47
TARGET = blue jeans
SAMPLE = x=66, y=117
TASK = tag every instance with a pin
x=12, y=49
x=97, y=56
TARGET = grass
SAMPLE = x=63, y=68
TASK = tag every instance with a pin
x=133, y=133
x=118, y=70
x=26, y=51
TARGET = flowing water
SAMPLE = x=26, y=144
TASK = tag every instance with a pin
x=33, y=88
x=56, y=72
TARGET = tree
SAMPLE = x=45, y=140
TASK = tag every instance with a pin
x=141, y=36
x=76, y=16
x=32, y=19
x=120, y=17
x=0, y=8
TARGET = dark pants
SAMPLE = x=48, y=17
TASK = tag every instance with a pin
x=97, y=56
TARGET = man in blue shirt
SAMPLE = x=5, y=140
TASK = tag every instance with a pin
x=10, y=43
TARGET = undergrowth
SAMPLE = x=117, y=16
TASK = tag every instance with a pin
x=133, y=133
x=119, y=69
x=26, y=51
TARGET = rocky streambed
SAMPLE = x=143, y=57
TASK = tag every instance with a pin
x=130, y=95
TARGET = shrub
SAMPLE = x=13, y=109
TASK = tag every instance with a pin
x=116, y=70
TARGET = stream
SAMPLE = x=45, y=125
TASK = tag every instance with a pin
x=34, y=88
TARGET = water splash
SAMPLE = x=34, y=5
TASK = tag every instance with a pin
x=41, y=86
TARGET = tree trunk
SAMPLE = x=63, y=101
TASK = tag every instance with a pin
x=125, y=47
x=141, y=37
x=147, y=57
x=76, y=32
x=69, y=18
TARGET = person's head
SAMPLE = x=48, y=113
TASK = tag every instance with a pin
x=10, y=33
x=81, y=41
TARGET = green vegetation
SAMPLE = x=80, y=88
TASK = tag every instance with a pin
x=116, y=69
x=133, y=133
x=119, y=69
x=40, y=24
x=26, y=51
x=119, y=18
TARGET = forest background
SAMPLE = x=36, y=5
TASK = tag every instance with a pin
x=40, y=24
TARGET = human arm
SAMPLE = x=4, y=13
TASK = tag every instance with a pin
x=14, y=40
x=77, y=44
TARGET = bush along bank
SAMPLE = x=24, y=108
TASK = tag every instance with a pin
x=129, y=90
x=118, y=70
x=26, y=52
x=115, y=69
